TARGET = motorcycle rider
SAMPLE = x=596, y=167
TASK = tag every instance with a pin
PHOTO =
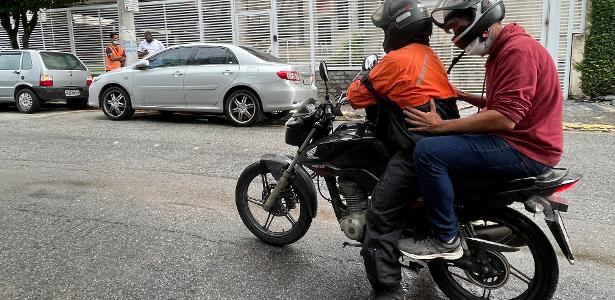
x=518, y=132
x=410, y=74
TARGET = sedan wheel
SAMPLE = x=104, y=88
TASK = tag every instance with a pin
x=116, y=104
x=27, y=101
x=242, y=108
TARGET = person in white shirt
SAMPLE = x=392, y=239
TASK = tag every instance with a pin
x=149, y=46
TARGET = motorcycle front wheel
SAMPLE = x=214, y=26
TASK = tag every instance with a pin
x=530, y=273
x=288, y=219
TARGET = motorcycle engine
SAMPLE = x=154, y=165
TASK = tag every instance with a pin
x=353, y=224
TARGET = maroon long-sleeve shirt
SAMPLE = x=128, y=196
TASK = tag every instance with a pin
x=523, y=85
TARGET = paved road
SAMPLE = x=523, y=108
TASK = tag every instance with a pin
x=91, y=208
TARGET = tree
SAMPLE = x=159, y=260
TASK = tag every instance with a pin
x=598, y=66
x=16, y=12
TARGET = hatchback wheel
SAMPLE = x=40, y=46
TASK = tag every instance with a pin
x=27, y=101
x=116, y=104
x=242, y=108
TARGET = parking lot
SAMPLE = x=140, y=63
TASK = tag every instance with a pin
x=144, y=208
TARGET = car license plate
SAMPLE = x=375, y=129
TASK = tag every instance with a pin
x=72, y=93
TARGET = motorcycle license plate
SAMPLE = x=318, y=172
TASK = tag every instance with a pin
x=72, y=93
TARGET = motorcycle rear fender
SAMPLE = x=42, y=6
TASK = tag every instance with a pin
x=276, y=164
x=551, y=207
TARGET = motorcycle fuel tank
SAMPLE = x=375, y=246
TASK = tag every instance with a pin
x=350, y=146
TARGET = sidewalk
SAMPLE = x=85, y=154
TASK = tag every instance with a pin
x=578, y=115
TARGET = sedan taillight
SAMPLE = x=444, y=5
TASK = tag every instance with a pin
x=289, y=75
x=88, y=81
x=46, y=80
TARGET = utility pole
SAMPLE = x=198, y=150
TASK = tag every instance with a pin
x=126, y=9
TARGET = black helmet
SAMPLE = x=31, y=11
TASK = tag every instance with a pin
x=481, y=13
x=403, y=22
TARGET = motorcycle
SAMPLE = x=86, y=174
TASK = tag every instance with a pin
x=506, y=254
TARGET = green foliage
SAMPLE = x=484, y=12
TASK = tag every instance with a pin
x=22, y=6
x=598, y=66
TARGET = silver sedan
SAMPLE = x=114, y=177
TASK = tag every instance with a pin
x=240, y=82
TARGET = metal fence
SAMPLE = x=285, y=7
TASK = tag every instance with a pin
x=298, y=31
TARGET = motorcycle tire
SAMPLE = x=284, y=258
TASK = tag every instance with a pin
x=297, y=230
x=546, y=270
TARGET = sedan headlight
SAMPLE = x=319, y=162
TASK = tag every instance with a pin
x=97, y=78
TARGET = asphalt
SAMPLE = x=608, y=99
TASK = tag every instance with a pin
x=144, y=209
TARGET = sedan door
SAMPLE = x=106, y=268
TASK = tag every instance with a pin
x=9, y=74
x=209, y=74
x=162, y=83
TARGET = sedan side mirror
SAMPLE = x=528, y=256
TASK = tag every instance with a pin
x=370, y=62
x=141, y=64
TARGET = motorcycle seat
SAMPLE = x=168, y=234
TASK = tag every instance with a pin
x=497, y=186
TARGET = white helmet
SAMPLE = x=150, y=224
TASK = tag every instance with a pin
x=481, y=13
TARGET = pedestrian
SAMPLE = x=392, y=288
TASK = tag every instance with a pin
x=149, y=46
x=114, y=53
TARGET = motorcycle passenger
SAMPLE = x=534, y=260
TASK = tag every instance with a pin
x=518, y=132
x=410, y=74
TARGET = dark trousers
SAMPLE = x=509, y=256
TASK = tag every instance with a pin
x=386, y=219
x=437, y=159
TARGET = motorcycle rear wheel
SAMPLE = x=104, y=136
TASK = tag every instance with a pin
x=460, y=283
x=290, y=209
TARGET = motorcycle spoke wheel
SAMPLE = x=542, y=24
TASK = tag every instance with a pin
x=287, y=220
x=530, y=273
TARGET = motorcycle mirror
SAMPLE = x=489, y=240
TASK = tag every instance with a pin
x=370, y=62
x=324, y=72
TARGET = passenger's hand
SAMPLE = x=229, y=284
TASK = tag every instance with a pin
x=424, y=121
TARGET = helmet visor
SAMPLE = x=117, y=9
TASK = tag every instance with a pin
x=444, y=8
x=378, y=17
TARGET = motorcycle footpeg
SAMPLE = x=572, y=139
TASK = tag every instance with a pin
x=409, y=264
x=346, y=244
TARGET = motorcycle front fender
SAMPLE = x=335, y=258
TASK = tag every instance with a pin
x=276, y=164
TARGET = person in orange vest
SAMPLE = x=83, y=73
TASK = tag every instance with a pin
x=114, y=53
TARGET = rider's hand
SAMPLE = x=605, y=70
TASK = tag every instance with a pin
x=424, y=121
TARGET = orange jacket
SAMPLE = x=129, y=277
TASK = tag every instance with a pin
x=115, y=52
x=409, y=76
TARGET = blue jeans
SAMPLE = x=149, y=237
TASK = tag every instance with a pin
x=437, y=159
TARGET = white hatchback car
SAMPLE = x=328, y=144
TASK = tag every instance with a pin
x=237, y=81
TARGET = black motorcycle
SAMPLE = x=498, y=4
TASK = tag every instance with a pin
x=506, y=255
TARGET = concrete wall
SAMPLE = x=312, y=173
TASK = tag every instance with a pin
x=338, y=82
x=578, y=51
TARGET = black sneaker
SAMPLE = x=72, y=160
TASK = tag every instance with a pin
x=394, y=294
x=430, y=248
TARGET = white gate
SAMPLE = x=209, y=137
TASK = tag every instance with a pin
x=255, y=24
x=297, y=31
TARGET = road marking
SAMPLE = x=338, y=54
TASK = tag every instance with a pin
x=589, y=127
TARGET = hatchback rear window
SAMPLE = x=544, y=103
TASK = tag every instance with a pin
x=262, y=55
x=61, y=61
